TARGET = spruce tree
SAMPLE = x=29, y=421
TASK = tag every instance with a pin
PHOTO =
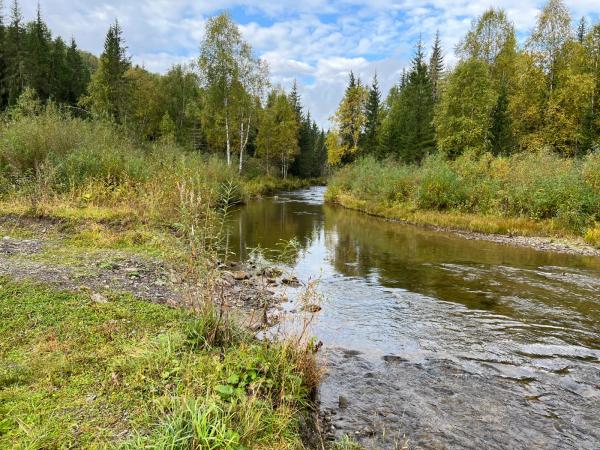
x=407, y=131
x=59, y=74
x=295, y=100
x=501, y=137
x=373, y=109
x=14, y=54
x=436, y=66
x=78, y=75
x=3, y=61
x=38, y=63
x=108, y=89
x=581, y=30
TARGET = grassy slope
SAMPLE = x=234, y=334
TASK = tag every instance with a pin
x=78, y=373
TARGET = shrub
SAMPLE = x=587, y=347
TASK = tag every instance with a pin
x=439, y=186
x=538, y=185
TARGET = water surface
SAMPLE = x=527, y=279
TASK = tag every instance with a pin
x=440, y=340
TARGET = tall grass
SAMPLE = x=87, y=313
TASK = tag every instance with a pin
x=533, y=186
x=95, y=162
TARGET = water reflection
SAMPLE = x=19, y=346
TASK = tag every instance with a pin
x=507, y=339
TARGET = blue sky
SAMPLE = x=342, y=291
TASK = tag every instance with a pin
x=314, y=41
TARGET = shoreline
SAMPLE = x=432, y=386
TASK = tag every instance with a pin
x=557, y=244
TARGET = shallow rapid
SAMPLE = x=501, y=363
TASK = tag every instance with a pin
x=438, y=340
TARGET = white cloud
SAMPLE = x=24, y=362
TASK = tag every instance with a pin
x=317, y=41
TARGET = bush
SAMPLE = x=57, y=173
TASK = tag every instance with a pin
x=537, y=186
x=440, y=187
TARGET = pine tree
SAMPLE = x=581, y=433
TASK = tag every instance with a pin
x=37, y=64
x=436, y=66
x=373, y=109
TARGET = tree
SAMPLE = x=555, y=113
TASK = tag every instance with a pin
x=349, y=121
x=528, y=102
x=108, y=89
x=501, y=136
x=15, y=55
x=436, y=66
x=407, y=130
x=277, y=140
x=462, y=118
x=59, y=72
x=78, y=75
x=181, y=98
x=492, y=40
x=591, y=120
x=373, y=110
x=581, y=30
x=3, y=61
x=37, y=62
x=142, y=111
x=549, y=37
x=234, y=79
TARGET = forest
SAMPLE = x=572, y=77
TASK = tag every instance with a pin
x=205, y=106
x=160, y=263
x=511, y=131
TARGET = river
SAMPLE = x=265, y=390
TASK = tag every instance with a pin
x=437, y=340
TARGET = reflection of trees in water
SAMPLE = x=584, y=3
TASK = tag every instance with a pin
x=477, y=274
x=267, y=223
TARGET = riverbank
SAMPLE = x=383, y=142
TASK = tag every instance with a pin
x=110, y=344
x=520, y=232
x=532, y=200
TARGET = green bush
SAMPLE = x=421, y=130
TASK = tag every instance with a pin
x=534, y=185
x=440, y=187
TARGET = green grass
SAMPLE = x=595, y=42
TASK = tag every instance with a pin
x=74, y=373
x=527, y=194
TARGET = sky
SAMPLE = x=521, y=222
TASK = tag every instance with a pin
x=316, y=42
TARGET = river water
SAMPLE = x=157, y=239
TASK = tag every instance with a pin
x=437, y=340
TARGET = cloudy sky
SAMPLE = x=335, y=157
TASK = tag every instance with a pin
x=314, y=41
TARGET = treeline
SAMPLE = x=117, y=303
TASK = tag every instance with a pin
x=501, y=97
x=30, y=57
x=223, y=103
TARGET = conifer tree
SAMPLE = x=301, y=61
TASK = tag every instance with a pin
x=15, y=54
x=581, y=30
x=436, y=66
x=501, y=138
x=38, y=45
x=407, y=131
x=373, y=109
x=77, y=76
x=58, y=80
x=108, y=88
x=3, y=61
x=295, y=100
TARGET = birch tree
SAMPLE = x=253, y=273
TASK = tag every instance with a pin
x=234, y=81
